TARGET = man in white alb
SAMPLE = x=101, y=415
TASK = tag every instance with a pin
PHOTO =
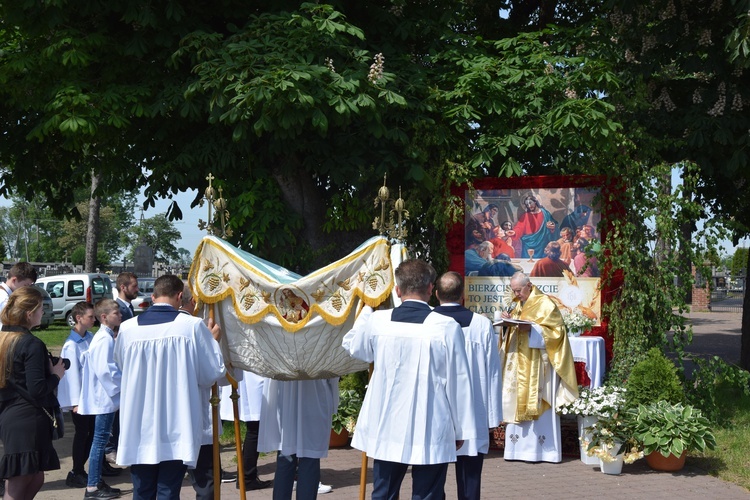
x=166, y=358
x=538, y=375
x=484, y=365
x=419, y=406
x=295, y=421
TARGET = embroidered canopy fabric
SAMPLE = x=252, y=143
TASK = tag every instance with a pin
x=284, y=326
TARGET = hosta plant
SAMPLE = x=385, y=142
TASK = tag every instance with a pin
x=671, y=428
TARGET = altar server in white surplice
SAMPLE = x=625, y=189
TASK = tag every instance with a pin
x=419, y=406
x=295, y=420
x=484, y=365
x=166, y=358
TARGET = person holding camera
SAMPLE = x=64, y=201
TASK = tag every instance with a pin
x=28, y=379
x=100, y=394
x=69, y=391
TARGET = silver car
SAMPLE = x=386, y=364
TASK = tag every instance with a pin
x=49, y=315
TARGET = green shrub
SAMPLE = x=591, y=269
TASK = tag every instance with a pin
x=653, y=379
x=710, y=379
x=671, y=428
x=354, y=381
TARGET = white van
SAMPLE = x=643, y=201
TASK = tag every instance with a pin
x=68, y=289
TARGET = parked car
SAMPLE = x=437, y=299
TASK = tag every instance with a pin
x=146, y=285
x=68, y=289
x=49, y=316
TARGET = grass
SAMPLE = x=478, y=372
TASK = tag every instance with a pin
x=730, y=461
x=54, y=336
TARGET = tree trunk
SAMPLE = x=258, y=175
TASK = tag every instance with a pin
x=92, y=231
x=745, y=344
x=303, y=196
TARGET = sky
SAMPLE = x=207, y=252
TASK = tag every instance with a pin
x=188, y=226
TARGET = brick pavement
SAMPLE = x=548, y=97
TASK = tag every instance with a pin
x=715, y=334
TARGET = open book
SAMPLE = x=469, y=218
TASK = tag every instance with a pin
x=511, y=321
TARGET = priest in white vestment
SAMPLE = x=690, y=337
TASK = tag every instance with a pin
x=484, y=366
x=166, y=358
x=419, y=405
x=538, y=375
x=295, y=421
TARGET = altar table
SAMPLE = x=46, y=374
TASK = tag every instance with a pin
x=589, y=352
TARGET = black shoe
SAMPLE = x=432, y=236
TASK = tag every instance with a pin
x=109, y=471
x=228, y=477
x=77, y=480
x=255, y=484
x=102, y=491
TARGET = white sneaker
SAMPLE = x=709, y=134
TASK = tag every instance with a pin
x=322, y=488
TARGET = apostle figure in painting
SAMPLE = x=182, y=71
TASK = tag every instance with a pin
x=585, y=265
x=550, y=265
x=419, y=406
x=538, y=375
x=484, y=366
x=166, y=358
x=535, y=228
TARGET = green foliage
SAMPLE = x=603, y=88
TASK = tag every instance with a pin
x=350, y=402
x=78, y=257
x=653, y=379
x=647, y=244
x=671, y=428
x=739, y=262
x=711, y=378
x=354, y=381
x=160, y=234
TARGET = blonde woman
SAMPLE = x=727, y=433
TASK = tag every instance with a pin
x=27, y=383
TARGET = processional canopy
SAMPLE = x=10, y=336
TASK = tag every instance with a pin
x=281, y=325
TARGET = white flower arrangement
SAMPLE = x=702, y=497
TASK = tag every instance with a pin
x=610, y=437
x=602, y=402
x=576, y=321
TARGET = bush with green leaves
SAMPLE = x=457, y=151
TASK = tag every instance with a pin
x=345, y=418
x=709, y=379
x=671, y=428
x=653, y=379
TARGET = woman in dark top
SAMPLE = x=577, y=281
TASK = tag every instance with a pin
x=26, y=431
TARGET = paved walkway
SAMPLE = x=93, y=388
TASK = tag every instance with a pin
x=715, y=334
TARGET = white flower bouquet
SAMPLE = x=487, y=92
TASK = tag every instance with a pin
x=612, y=436
x=576, y=322
x=602, y=402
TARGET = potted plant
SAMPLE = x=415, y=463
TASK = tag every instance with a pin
x=668, y=431
x=592, y=404
x=576, y=322
x=345, y=418
x=612, y=441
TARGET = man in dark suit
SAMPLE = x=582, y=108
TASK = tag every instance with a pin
x=127, y=290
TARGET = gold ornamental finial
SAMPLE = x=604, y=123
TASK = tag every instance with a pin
x=220, y=205
x=396, y=229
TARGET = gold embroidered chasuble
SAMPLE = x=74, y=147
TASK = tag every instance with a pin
x=527, y=372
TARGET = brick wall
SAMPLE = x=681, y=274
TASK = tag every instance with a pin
x=701, y=293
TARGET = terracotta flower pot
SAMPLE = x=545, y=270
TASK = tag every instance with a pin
x=657, y=461
x=339, y=440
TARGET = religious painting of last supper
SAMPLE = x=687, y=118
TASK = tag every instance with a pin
x=548, y=233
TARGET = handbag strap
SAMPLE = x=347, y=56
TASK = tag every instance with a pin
x=25, y=395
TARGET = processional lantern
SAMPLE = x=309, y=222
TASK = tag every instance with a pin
x=395, y=226
x=217, y=208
